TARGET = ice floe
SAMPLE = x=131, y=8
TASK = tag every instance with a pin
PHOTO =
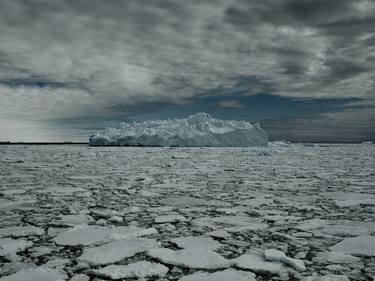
x=198, y=242
x=117, y=250
x=190, y=258
x=225, y=275
x=86, y=235
x=21, y=231
x=361, y=246
x=257, y=263
x=141, y=269
x=10, y=247
x=37, y=274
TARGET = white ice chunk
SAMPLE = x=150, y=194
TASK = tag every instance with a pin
x=36, y=274
x=361, y=246
x=257, y=263
x=231, y=223
x=73, y=220
x=190, y=258
x=274, y=255
x=199, y=129
x=116, y=251
x=10, y=247
x=329, y=277
x=141, y=269
x=225, y=275
x=351, y=199
x=199, y=242
x=86, y=235
x=170, y=219
x=219, y=234
x=21, y=231
x=80, y=277
x=335, y=258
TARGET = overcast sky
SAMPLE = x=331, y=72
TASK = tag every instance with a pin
x=304, y=69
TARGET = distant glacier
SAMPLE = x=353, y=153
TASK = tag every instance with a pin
x=199, y=129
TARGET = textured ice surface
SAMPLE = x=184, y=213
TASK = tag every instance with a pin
x=329, y=277
x=86, y=235
x=139, y=269
x=196, y=242
x=225, y=275
x=10, y=247
x=257, y=263
x=361, y=245
x=246, y=199
x=199, y=129
x=37, y=274
x=335, y=258
x=20, y=231
x=190, y=258
x=116, y=251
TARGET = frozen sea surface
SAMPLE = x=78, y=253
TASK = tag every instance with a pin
x=283, y=212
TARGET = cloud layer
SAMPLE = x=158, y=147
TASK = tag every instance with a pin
x=81, y=59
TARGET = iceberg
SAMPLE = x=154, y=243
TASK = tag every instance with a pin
x=198, y=130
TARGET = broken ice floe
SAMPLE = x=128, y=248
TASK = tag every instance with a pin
x=86, y=235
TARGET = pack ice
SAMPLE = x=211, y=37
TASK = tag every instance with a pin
x=199, y=129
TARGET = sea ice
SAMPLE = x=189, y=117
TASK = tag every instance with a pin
x=21, y=231
x=329, y=277
x=86, y=235
x=225, y=275
x=37, y=274
x=335, y=258
x=190, y=258
x=73, y=220
x=141, y=269
x=221, y=234
x=257, y=263
x=199, y=242
x=231, y=223
x=199, y=129
x=10, y=247
x=80, y=277
x=361, y=246
x=170, y=219
x=351, y=199
x=116, y=251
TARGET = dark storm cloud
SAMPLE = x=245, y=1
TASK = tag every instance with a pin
x=86, y=59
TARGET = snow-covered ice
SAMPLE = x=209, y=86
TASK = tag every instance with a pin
x=257, y=263
x=139, y=269
x=20, y=231
x=328, y=277
x=116, y=251
x=198, y=242
x=170, y=219
x=335, y=258
x=10, y=247
x=190, y=258
x=361, y=246
x=225, y=275
x=37, y=274
x=86, y=235
x=199, y=129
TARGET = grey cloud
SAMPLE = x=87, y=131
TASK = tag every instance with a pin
x=111, y=58
x=350, y=125
x=234, y=104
